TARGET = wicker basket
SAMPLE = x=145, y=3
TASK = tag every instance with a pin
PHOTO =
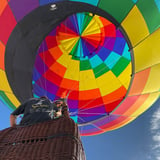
x=57, y=139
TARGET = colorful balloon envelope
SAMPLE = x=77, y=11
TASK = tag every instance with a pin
x=107, y=59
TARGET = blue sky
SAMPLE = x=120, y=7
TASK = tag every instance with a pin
x=139, y=140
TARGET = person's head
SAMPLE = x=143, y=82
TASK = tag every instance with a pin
x=58, y=103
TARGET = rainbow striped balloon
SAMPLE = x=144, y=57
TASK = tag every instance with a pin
x=106, y=59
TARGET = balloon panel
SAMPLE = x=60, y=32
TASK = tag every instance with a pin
x=121, y=10
x=22, y=8
x=135, y=20
x=147, y=49
x=148, y=13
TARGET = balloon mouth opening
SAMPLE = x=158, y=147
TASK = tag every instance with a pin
x=87, y=55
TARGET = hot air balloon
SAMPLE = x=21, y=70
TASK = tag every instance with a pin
x=104, y=53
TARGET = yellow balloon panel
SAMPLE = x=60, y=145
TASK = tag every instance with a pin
x=107, y=83
x=153, y=84
x=123, y=77
x=97, y=18
x=135, y=26
x=72, y=71
x=64, y=60
x=93, y=27
x=68, y=44
x=4, y=85
x=146, y=54
x=87, y=80
x=13, y=99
